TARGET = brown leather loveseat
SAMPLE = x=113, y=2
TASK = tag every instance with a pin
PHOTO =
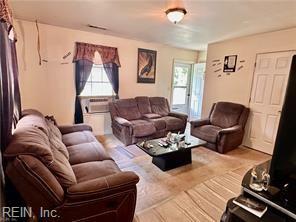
x=140, y=118
x=224, y=128
x=67, y=170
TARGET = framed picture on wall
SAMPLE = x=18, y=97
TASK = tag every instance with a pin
x=146, y=66
x=230, y=63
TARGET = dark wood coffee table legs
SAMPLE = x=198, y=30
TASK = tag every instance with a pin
x=173, y=160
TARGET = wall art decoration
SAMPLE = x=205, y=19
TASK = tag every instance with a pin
x=66, y=55
x=240, y=67
x=216, y=62
x=146, y=66
x=230, y=63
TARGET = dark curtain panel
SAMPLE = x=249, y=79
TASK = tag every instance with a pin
x=111, y=70
x=2, y=178
x=17, y=95
x=82, y=72
x=6, y=99
x=9, y=101
x=9, y=97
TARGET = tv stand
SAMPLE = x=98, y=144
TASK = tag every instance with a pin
x=277, y=210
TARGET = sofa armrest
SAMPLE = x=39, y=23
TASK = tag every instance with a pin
x=178, y=115
x=234, y=129
x=122, y=121
x=200, y=122
x=74, y=128
x=230, y=138
x=109, y=198
x=102, y=186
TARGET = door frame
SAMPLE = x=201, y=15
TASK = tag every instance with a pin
x=192, y=75
x=251, y=88
x=172, y=79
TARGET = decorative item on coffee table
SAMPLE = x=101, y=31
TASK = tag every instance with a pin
x=259, y=180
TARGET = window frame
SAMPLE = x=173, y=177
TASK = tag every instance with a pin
x=96, y=81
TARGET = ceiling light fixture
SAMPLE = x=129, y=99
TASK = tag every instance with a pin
x=175, y=15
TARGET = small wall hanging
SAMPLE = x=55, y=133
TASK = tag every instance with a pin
x=38, y=44
x=230, y=63
x=146, y=66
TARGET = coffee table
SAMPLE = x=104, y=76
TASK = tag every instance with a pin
x=171, y=157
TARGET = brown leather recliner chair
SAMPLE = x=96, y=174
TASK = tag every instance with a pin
x=224, y=128
x=67, y=171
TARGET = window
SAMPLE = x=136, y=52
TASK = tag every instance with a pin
x=98, y=83
x=181, y=84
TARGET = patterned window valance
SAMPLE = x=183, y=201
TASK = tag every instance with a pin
x=87, y=51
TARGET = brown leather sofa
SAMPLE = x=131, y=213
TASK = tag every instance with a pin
x=142, y=118
x=67, y=170
x=224, y=128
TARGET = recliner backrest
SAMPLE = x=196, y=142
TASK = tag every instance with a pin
x=226, y=114
x=143, y=104
x=127, y=109
x=159, y=105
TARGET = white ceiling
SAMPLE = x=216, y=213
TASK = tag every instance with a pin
x=206, y=22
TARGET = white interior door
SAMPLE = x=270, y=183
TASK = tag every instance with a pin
x=268, y=91
x=181, y=87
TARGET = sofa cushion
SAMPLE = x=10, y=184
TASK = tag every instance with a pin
x=128, y=109
x=151, y=116
x=143, y=104
x=33, y=141
x=30, y=141
x=87, y=152
x=62, y=169
x=55, y=139
x=79, y=137
x=34, y=112
x=33, y=118
x=159, y=105
x=53, y=128
x=56, y=143
x=93, y=170
x=142, y=128
x=173, y=123
x=208, y=133
x=159, y=123
x=226, y=114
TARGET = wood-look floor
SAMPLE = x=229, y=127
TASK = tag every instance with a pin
x=194, y=192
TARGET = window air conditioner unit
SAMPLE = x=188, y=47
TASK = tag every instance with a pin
x=96, y=105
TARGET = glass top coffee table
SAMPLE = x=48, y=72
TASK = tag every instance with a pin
x=170, y=157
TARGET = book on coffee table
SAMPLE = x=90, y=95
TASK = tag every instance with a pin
x=251, y=205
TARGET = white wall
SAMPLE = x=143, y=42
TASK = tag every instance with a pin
x=202, y=56
x=50, y=87
x=237, y=86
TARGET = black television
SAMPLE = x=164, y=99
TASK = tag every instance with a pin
x=283, y=162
